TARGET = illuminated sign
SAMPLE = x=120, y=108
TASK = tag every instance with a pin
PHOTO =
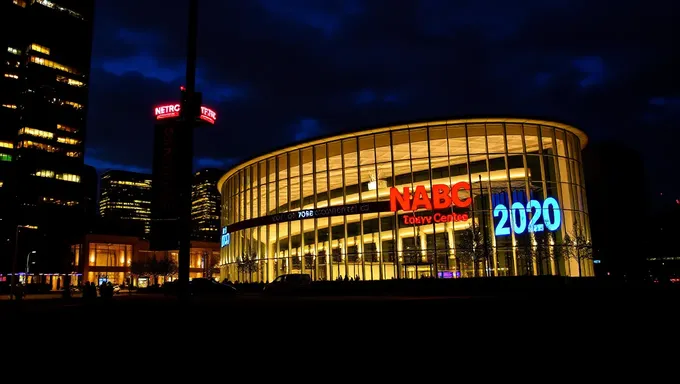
x=436, y=218
x=443, y=197
x=546, y=216
x=226, y=238
x=172, y=110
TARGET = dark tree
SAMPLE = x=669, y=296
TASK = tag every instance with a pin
x=248, y=264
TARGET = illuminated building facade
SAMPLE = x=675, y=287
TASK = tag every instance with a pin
x=117, y=258
x=205, y=205
x=125, y=202
x=446, y=199
x=43, y=103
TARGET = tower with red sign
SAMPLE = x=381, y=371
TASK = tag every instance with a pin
x=172, y=167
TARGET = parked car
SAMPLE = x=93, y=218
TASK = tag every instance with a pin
x=208, y=287
x=289, y=284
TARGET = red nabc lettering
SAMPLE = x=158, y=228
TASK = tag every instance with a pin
x=443, y=197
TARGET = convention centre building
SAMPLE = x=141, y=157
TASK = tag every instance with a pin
x=439, y=199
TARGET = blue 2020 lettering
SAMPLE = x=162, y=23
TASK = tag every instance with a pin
x=518, y=217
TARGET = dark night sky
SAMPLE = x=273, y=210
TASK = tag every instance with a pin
x=281, y=71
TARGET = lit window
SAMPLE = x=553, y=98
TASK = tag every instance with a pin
x=66, y=128
x=44, y=173
x=52, y=64
x=10, y=106
x=5, y=157
x=11, y=75
x=35, y=145
x=14, y=51
x=73, y=104
x=68, y=140
x=20, y=3
x=75, y=83
x=6, y=144
x=50, y=4
x=52, y=200
x=40, y=48
x=2, y=183
x=36, y=133
x=68, y=177
x=73, y=154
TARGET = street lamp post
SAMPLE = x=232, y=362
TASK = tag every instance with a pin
x=15, y=256
x=28, y=261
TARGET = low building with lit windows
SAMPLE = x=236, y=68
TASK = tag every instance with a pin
x=117, y=258
x=446, y=199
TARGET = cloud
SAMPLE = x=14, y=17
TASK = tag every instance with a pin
x=105, y=165
x=206, y=162
x=306, y=128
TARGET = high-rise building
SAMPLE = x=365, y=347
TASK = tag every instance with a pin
x=43, y=103
x=125, y=202
x=205, y=204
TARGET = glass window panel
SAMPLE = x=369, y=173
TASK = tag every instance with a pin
x=531, y=138
x=320, y=157
x=513, y=134
x=349, y=150
x=402, y=173
x=383, y=148
x=307, y=161
x=400, y=145
x=457, y=140
x=262, y=172
x=283, y=196
x=262, y=199
x=322, y=189
x=272, y=198
x=366, y=150
x=369, y=182
x=351, y=185
x=295, y=194
x=384, y=173
x=495, y=139
x=294, y=164
x=476, y=138
x=438, y=144
x=548, y=134
x=334, y=155
x=308, y=191
x=574, y=149
x=282, y=161
x=418, y=143
x=534, y=167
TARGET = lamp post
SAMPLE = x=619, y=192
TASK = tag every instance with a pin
x=13, y=281
x=28, y=261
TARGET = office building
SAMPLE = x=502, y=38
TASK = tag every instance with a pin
x=445, y=199
x=43, y=104
x=125, y=202
x=205, y=205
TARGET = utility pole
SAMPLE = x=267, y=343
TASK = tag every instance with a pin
x=190, y=105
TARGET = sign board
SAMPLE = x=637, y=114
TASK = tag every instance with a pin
x=172, y=110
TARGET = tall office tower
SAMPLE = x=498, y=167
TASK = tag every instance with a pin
x=43, y=103
x=90, y=183
x=205, y=205
x=125, y=202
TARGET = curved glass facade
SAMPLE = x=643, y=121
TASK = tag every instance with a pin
x=323, y=207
